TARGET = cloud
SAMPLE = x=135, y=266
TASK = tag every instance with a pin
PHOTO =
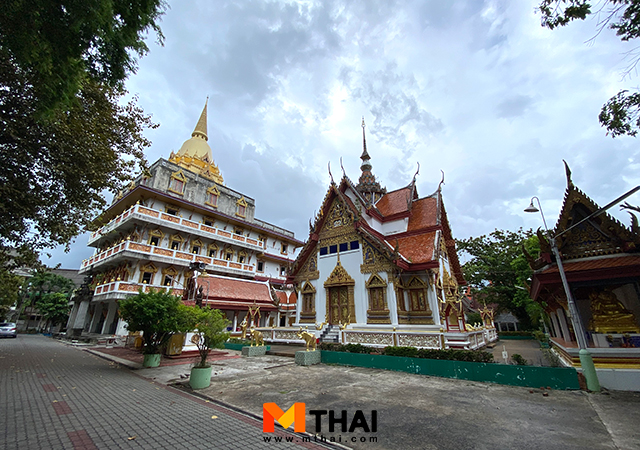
x=476, y=88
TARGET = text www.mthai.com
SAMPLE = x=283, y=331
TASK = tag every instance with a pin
x=321, y=439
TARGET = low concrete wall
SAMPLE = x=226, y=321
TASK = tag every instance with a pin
x=230, y=346
x=554, y=377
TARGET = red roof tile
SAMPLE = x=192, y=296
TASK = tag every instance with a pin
x=424, y=213
x=282, y=296
x=236, y=293
x=417, y=249
x=600, y=263
x=394, y=202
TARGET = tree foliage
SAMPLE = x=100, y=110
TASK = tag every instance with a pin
x=211, y=325
x=620, y=115
x=157, y=315
x=61, y=43
x=53, y=171
x=64, y=137
x=54, y=307
x=497, y=271
x=9, y=291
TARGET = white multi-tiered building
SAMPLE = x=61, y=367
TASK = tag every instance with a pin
x=178, y=214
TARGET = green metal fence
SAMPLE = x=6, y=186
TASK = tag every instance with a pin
x=530, y=376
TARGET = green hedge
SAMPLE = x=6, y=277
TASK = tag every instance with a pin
x=515, y=333
x=449, y=354
x=347, y=348
x=412, y=352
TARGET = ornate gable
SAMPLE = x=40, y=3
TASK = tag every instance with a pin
x=600, y=235
x=339, y=277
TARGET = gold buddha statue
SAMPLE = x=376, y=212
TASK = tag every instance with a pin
x=609, y=315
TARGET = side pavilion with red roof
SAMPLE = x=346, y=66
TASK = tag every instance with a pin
x=601, y=260
x=380, y=268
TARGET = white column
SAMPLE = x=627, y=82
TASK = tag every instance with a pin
x=81, y=316
x=235, y=320
x=562, y=318
x=97, y=314
x=72, y=316
x=113, y=308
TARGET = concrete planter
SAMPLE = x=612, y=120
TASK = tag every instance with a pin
x=200, y=377
x=151, y=360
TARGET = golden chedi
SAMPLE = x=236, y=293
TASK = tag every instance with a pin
x=609, y=315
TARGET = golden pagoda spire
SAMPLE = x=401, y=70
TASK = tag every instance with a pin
x=201, y=127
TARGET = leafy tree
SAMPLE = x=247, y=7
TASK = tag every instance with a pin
x=157, y=315
x=64, y=138
x=54, y=307
x=9, y=291
x=498, y=271
x=53, y=171
x=211, y=325
x=44, y=283
x=621, y=114
x=62, y=43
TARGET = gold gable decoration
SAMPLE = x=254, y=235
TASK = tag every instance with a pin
x=339, y=277
x=601, y=235
x=373, y=260
x=339, y=221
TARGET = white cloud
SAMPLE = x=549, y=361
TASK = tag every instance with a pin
x=477, y=89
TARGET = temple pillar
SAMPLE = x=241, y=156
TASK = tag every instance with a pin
x=564, y=327
x=72, y=317
x=97, y=314
x=113, y=309
x=81, y=317
x=235, y=321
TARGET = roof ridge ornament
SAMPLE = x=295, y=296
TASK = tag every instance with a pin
x=568, y=172
x=365, y=155
x=441, y=181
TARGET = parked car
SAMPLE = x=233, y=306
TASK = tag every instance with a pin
x=8, y=329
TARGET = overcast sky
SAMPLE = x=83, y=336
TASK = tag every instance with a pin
x=477, y=89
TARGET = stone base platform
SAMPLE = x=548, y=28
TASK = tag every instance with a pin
x=305, y=358
x=254, y=351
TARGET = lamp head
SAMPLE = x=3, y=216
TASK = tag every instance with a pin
x=531, y=208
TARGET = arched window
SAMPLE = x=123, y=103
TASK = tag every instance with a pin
x=241, y=207
x=212, y=196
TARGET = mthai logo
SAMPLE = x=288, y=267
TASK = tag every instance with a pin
x=272, y=412
x=296, y=415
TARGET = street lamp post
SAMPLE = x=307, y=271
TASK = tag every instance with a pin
x=586, y=361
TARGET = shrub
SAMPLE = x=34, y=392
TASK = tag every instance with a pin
x=518, y=360
x=447, y=354
x=348, y=348
x=514, y=333
x=409, y=352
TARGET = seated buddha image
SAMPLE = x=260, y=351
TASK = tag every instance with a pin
x=609, y=315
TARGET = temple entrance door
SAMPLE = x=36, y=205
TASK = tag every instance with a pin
x=338, y=305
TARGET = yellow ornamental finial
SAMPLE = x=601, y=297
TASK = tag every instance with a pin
x=201, y=126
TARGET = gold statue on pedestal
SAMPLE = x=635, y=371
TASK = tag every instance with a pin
x=609, y=315
x=309, y=339
x=257, y=339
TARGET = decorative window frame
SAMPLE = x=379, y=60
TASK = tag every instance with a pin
x=156, y=233
x=209, y=219
x=167, y=207
x=213, y=247
x=242, y=254
x=229, y=251
x=169, y=272
x=284, y=247
x=377, y=315
x=421, y=314
x=178, y=176
x=308, y=303
x=241, y=203
x=176, y=238
x=196, y=243
x=148, y=268
x=213, y=190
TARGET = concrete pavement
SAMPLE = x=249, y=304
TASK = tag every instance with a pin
x=53, y=396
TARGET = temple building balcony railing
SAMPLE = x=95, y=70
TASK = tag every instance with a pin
x=149, y=215
x=117, y=290
x=136, y=250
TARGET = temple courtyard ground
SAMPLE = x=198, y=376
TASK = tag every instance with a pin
x=105, y=404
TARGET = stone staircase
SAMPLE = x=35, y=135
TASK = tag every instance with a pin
x=330, y=334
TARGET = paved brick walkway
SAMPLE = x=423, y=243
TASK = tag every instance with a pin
x=53, y=396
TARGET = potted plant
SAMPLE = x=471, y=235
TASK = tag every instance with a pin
x=157, y=315
x=210, y=332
